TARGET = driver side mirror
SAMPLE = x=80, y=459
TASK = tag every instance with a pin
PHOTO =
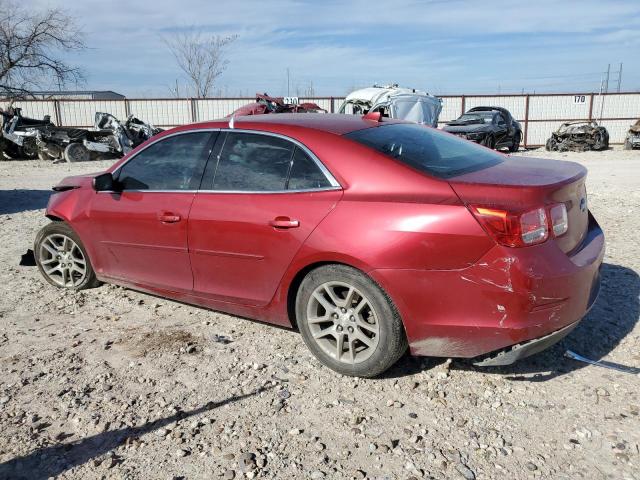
x=105, y=183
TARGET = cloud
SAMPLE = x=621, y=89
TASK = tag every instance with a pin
x=448, y=46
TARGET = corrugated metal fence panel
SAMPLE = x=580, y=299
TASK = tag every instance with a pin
x=321, y=102
x=337, y=103
x=35, y=108
x=82, y=113
x=515, y=104
x=558, y=107
x=538, y=132
x=546, y=112
x=617, y=129
x=617, y=106
x=162, y=113
x=215, y=108
x=451, y=108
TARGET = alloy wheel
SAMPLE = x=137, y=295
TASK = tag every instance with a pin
x=62, y=260
x=343, y=322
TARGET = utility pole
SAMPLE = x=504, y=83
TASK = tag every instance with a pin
x=619, y=78
x=288, y=83
x=604, y=88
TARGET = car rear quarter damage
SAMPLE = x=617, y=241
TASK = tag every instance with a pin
x=508, y=297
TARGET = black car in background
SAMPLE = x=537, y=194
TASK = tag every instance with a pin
x=493, y=127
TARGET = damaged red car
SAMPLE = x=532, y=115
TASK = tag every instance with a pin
x=370, y=236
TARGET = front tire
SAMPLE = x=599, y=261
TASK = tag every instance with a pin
x=490, y=142
x=62, y=259
x=348, y=322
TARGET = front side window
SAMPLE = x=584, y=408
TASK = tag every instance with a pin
x=264, y=163
x=174, y=163
x=427, y=149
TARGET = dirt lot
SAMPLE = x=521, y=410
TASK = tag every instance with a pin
x=111, y=383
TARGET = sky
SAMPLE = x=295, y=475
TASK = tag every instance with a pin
x=332, y=47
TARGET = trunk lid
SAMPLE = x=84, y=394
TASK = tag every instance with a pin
x=521, y=184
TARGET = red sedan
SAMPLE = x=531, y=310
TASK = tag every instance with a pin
x=369, y=236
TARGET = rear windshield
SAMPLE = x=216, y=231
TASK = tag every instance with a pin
x=427, y=149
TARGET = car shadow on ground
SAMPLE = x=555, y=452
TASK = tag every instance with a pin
x=54, y=460
x=611, y=319
x=20, y=200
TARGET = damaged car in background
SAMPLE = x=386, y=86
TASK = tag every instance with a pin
x=266, y=104
x=394, y=102
x=18, y=138
x=493, y=127
x=633, y=137
x=578, y=136
x=109, y=138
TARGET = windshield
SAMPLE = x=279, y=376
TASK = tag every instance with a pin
x=427, y=149
x=485, y=117
x=419, y=110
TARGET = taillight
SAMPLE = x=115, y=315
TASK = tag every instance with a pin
x=559, y=220
x=514, y=229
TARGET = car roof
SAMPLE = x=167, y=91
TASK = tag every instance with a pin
x=335, y=123
x=487, y=109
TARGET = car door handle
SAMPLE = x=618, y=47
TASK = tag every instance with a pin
x=168, y=217
x=284, y=222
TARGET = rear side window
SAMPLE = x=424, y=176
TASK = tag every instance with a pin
x=427, y=149
x=305, y=174
x=174, y=163
x=264, y=163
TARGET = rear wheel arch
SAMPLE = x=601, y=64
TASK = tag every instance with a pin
x=294, y=286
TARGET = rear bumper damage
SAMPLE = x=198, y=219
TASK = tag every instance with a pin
x=510, y=304
x=518, y=351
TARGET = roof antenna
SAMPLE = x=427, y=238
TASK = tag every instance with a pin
x=231, y=121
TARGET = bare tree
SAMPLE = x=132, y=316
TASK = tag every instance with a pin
x=201, y=57
x=30, y=43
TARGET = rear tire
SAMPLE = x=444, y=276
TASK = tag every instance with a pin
x=62, y=259
x=348, y=322
x=515, y=146
x=601, y=141
x=76, y=152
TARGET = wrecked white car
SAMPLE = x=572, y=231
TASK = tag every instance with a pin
x=394, y=102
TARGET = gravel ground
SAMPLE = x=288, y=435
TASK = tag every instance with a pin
x=111, y=383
